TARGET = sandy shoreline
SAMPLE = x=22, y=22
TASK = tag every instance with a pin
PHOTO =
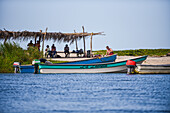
x=149, y=61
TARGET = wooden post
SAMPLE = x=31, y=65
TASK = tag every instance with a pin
x=35, y=39
x=84, y=43
x=40, y=35
x=43, y=42
x=76, y=41
x=91, y=44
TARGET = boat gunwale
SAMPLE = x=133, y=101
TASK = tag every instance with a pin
x=160, y=65
x=90, y=59
x=81, y=68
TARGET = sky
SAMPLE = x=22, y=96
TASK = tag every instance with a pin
x=127, y=24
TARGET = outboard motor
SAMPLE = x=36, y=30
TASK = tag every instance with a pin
x=131, y=65
x=35, y=63
x=16, y=65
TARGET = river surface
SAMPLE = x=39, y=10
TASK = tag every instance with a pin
x=82, y=93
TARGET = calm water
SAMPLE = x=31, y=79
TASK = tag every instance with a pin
x=50, y=93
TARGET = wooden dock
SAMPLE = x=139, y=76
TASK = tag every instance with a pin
x=153, y=69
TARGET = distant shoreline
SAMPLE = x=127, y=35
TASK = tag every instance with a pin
x=137, y=52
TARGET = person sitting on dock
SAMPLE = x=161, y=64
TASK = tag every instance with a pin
x=47, y=51
x=109, y=51
x=79, y=52
x=30, y=44
x=66, y=50
x=53, y=49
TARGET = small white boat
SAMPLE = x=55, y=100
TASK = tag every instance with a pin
x=153, y=69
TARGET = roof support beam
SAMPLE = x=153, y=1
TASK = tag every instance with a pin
x=91, y=44
x=76, y=41
x=84, y=43
x=43, y=42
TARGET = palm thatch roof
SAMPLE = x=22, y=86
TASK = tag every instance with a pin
x=56, y=36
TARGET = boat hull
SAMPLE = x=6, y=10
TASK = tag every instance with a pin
x=26, y=69
x=112, y=58
x=89, y=68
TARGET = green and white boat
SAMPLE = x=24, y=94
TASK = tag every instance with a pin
x=111, y=67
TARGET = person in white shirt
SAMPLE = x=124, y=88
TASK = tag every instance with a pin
x=47, y=51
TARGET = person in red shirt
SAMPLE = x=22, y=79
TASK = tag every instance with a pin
x=109, y=51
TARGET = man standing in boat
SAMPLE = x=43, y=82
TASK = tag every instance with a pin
x=109, y=51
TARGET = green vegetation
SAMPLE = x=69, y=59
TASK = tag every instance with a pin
x=11, y=52
x=138, y=52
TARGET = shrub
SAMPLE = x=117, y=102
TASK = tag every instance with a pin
x=12, y=52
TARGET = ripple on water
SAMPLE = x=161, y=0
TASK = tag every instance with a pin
x=84, y=93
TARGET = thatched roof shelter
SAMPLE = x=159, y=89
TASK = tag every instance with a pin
x=56, y=36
